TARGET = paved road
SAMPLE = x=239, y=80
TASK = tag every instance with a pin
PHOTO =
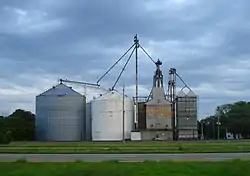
x=121, y=157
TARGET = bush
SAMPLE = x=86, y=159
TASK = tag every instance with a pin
x=180, y=148
x=5, y=137
x=21, y=160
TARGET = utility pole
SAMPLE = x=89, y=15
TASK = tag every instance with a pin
x=202, y=130
x=218, y=126
x=136, y=42
x=213, y=127
x=123, y=114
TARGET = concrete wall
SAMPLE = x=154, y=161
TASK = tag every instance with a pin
x=150, y=135
x=158, y=117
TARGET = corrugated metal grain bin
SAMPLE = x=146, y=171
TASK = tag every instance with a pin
x=107, y=117
x=60, y=115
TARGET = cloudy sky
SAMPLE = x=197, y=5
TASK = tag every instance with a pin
x=207, y=41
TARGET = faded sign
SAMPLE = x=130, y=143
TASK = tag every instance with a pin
x=159, y=111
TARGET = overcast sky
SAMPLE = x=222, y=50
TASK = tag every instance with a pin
x=207, y=41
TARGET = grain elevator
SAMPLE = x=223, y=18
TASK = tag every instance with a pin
x=155, y=116
x=63, y=114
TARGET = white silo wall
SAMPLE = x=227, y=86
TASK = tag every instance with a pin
x=60, y=115
x=107, y=117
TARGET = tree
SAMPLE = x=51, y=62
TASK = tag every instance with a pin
x=19, y=126
x=234, y=118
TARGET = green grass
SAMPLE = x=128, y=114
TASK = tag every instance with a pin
x=232, y=168
x=128, y=147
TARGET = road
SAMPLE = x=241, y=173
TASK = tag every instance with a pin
x=122, y=157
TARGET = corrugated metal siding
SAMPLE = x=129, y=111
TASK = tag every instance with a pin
x=60, y=115
x=84, y=130
x=141, y=115
x=186, y=112
x=188, y=134
x=88, y=122
x=107, y=117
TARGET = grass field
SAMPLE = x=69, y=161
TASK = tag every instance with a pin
x=232, y=168
x=128, y=147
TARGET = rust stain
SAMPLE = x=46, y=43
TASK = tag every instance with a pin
x=159, y=112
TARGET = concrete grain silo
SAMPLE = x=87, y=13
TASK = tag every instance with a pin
x=60, y=115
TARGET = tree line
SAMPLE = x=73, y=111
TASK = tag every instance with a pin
x=18, y=126
x=231, y=118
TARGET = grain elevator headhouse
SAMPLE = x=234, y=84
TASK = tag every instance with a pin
x=158, y=109
x=158, y=77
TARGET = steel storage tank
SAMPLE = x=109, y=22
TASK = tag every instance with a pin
x=107, y=117
x=60, y=115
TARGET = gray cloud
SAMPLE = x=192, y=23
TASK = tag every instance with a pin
x=42, y=40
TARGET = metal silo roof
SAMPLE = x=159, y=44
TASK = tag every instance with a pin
x=111, y=95
x=181, y=93
x=60, y=89
x=191, y=94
